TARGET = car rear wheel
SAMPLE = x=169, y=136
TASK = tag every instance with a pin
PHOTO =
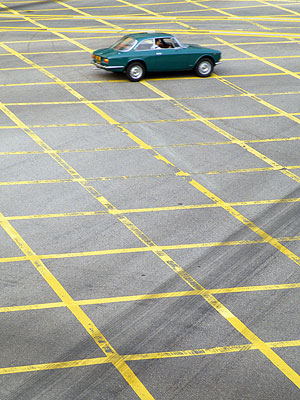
x=135, y=71
x=204, y=67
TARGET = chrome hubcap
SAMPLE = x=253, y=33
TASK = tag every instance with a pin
x=204, y=67
x=136, y=71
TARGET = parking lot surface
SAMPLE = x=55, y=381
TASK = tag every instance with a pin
x=149, y=231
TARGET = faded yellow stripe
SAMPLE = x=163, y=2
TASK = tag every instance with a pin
x=153, y=209
x=147, y=249
x=265, y=349
x=85, y=321
x=55, y=365
x=102, y=20
x=233, y=139
x=146, y=356
x=262, y=59
x=152, y=296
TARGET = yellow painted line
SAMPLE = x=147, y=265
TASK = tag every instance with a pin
x=203, y=352
x=125, y=211
x=233, y=139
x=110, y=353
x=182, y=78
x=265, y=236
x=262, y=59
x=41, y=103
x=257, y=99
x=164, y=15
x=45, y=66
x=156, y=16
x=153, y=248
x=238, y=171
x=279, y=111
x=29, y=83
x=32, y=21
x=36, y=182
x=32, y=307
x=13, y=259
x=164, y=248
x=283, y=286
x=232, y=17
x=242, y=93
x=101, y=20
x=196, y=144
x=53, y=366
x=266, y=3
x=152, y=209
x=148, y=249
x=233, y=320
x=115, y=36
x=152, y=296
x=105, y=178
x=246, y=117
x=61, y=39
x=26, y=53
x=102, y=31
x=220, y=308
x=145, y=356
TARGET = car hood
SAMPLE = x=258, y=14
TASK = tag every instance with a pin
x=197, y=46
x=105, y=52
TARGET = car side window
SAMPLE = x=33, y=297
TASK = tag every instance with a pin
x=145, y=45
x=169, y=43
x=164, y=43
x=175, y=43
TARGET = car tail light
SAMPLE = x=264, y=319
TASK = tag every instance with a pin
x=106, y=60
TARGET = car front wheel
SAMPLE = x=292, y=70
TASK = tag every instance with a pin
x=204, y=67
x=135, y=71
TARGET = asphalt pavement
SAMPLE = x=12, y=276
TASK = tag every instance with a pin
x=149, y=232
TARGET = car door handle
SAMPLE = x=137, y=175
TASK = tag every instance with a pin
x=158, y=54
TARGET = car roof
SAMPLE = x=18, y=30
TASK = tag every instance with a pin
x=149, y=35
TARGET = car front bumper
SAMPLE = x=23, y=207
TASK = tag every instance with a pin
x=117, y=68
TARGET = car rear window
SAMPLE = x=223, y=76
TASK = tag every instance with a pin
x=145, y=45
x=124, y=44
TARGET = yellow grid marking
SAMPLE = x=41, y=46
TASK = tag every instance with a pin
x=282, y=41
x=162, y=16
x=43, y=103
x=152, y=296
x=233, y=139
x=85, y=14
x=146, y=356
x=222, y=79
x=279, y=7
x=43, y=28
x=148, y=249
x=110, y=353
x=262, y=59
x=218, y=306
x=263, y=347
x=153, y=209
x=196, y=144
x=171, y=31
x=232, y=17
x=184, y=78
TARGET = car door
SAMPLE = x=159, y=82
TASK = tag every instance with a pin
x=172, y=58
x=146, y=52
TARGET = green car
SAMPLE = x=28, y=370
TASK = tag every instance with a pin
x=139, y=53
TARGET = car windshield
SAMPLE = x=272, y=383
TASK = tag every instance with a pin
x=124, y=44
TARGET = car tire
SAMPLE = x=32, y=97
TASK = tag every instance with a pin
x=135, y=71
x=204, y=67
